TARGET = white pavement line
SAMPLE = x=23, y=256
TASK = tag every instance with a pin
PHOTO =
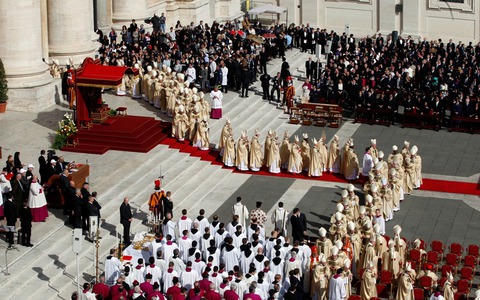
x=472, y=179
x=290, y=199
x=345, y=132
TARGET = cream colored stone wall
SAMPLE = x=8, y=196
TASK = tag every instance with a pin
x=420, y=18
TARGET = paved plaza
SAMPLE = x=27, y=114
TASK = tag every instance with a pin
x=48, y=269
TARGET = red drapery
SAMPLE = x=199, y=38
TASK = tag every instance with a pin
x=90, y=78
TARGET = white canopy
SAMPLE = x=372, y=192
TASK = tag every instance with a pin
x=267, y=8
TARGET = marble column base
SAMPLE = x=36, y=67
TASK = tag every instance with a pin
x=35, y=99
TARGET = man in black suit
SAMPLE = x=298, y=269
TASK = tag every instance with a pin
x=85, y=195
x=26, y=224
x=19, y=191
x=310, y=66
x=64, y=185
x=265, y=79
x=126, y=220
x=299, y=224
x=263, y=60
x=50, y=170
x=42, y=162
x=10, y=212
x=167, y=204
x=92, y=211
x=61, y=165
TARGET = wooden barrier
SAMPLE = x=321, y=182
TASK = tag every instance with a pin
x=465, y=124
x=422, y=121
x=318, y=114
x=373, y=116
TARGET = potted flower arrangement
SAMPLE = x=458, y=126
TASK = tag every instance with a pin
x=3, y=88
x=66, y=128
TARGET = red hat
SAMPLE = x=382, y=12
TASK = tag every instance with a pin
x=157, y=184
x=429, y=267
x=135, y=282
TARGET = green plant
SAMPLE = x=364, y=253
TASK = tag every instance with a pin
x=112, y=113
x=66, y=128
x=3, y=84
x=59, y=142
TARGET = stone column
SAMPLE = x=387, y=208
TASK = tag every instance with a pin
x=70, y=30
x=386, y=16
x=44, y=18
x=411, y=18
x=21, y=52
x=104, y=15
x=123, y=11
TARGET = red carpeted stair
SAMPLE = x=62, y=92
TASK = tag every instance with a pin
x=433, y=185
x=127, y=133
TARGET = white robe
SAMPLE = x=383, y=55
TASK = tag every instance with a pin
x=167, y=279
x=138, y=274
x=230, y=257
x=220, y=237
x=198, y=266
x=188, y=278
x=184, y=225
x=367, y=164
x=168, y=250
x=184, y=243
x=216, y=99
x=242, y=212
x=215, y=255
x=237, y=239
x=169, y=228
x=113, y=267
x=336, y=288
x=202, y=224
x=280, y=220
x=156, y=246
x=245, y=262
x=156, y=273
x=36, y=197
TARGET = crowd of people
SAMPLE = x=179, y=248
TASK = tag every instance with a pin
x=426, y=77
x=197, y=258
x=24, y=195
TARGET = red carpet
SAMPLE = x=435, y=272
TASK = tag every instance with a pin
x=433, y=185
x=128, y=133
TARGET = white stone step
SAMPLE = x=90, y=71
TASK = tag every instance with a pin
x=218, y=194
x=242, y=120
x=197, y=199
x=61, y=247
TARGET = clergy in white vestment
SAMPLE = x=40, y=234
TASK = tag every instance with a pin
x=168, y=276
x=189, y=276
x=367, y=162
x=293, y=263
x=280, y=219
x=138, y=271
x=201, y=221
x=230, y=255
x=37, y=201
x=157, y=244
x=246, y=258
x=238, y=237
x=185, y=223
x=241, y=211
x=337, y=287
x=168, y=248
x=113, y=268
x=153, y=270
x=197, y=264
x=168, y=226
x=184, y=243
